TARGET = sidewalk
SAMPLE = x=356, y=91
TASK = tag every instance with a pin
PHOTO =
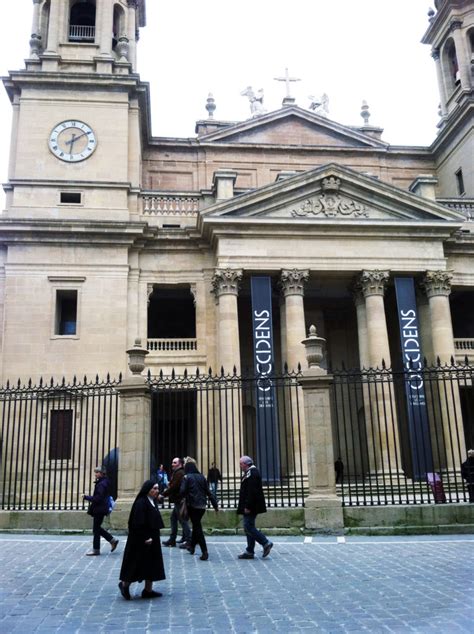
x=356, y=584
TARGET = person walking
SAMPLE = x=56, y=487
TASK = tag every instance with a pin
x=142, y=557
x=251, y=504
x=195, y=489
x=99, y=508
x=467, y=472
x=172, y=492
x=213, y=478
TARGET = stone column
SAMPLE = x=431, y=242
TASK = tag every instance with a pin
x=292, y=287
x=135, y=427
x=441, y=84
x=104, y=26
x=363, y=339
x=382, y=424
x=225, y=286
x=131, y=33
x=35, y=40
x=446, y=399
x=53, y=29
x=323, y=509
x=461, y=53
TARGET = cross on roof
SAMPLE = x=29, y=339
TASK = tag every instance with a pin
x=287, y=79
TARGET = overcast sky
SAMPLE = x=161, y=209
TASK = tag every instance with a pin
x=351, y=50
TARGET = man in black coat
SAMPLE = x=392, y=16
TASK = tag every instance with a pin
x=467, y=472
x=251, y=503
x=173, y=493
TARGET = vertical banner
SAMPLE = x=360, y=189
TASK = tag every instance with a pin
x=418, y=424
x=268, y=446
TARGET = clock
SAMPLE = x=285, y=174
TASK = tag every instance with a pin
x=72, y=141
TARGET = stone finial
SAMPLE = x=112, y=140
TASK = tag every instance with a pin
x=136, y=358
x=431, y=14
x=123, y=48
x=364, y=112
x=35, y=45
x=210, y=105
x=315, y=348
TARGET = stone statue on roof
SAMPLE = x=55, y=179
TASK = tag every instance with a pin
x=319, y=105
x=255, y=100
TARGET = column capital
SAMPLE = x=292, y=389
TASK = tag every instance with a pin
x=226, y=282
x=435, y=54
x=437, y=283
x=455, y=24
x=292, y=281
x=373, y=282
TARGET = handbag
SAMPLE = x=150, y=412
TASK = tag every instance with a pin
x=183, y=511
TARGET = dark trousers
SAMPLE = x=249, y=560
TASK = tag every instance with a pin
x=99, y=532
x=253, y=534
x=197, y=537
x=174, y=519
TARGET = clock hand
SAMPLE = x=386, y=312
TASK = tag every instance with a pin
x=74, y=138
x=71, y=141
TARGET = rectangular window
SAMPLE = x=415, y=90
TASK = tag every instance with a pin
x=60, y=436
x=70, y=198
x=66, y=312
x=460, y=182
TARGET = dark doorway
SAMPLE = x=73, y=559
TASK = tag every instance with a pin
x=467, y=408
x=173, y=426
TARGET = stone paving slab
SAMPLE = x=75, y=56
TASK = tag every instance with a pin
x=336, y=585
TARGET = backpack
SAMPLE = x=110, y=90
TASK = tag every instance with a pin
x=110, y=504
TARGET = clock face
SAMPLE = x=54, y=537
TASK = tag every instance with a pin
x=72, y=141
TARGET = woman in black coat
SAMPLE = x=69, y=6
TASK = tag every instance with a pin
x=99, y=508
x=142, y=558
x=195, y=489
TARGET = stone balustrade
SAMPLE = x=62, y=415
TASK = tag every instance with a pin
x=463, y=205
x=464, y=347
x=171, y=345
x=170, y=204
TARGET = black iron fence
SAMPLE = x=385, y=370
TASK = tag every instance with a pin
x=217, y=419
x=401, y=436
x=52, y=437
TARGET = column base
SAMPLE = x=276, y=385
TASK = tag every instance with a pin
x=323, y=513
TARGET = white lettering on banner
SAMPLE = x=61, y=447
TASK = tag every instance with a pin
x=262, y=347
x=412, y=353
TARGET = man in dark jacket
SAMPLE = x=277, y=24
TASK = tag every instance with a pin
x=251, y=503
x=173, y=493
x=99, y=508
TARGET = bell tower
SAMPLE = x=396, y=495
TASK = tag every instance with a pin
x=80, y=35
x=451, y=36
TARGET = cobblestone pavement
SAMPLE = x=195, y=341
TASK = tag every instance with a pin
x=353, y=584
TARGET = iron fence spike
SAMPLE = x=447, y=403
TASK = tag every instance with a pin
x=120, y=377
x=438, y=361
x=383, y=364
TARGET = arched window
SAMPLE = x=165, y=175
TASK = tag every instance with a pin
x=82, y=21
x=450, y=65
x=119, y=24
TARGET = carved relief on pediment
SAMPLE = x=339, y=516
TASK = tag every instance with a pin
x=330, y=205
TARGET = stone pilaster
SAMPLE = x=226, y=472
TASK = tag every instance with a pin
x=361, y=314
x=292, y=287
x=132, y=33
x=323, y=509
x=53, y=28
x=441, y=84
x=462, y=56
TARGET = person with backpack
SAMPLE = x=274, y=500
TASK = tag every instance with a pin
x=99, y=507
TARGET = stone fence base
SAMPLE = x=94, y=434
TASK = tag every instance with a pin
x=392, y=520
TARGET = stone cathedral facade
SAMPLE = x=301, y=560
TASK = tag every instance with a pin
x=110, y=234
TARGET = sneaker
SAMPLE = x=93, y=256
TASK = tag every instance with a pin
x=170, y=543
x=113, y=544
x=124, y=591
x=267, y=548
x=93, y=553
x=246, y=555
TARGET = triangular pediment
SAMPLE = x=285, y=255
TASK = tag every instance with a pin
x=335, y=194
x=292, y=126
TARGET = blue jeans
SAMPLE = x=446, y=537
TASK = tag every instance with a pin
x=253, y=534
x=213, y=488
